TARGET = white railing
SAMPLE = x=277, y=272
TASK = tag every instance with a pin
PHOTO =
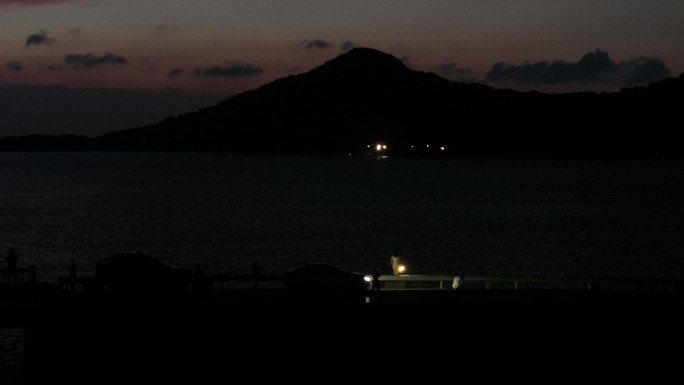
x=417, y=282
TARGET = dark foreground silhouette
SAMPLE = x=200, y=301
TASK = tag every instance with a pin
x=198, y=342
x=135, y=325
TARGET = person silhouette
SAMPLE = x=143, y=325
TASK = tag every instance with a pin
x=12, y=261
x=395, y=262
x=375, y=284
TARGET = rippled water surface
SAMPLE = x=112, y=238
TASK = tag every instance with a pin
x=475, y=216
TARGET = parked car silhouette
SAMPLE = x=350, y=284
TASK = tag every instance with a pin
x=323, y=278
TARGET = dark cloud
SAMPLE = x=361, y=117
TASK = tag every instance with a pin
x=347, y=45
x=90, y=60
x=231, y=70
x=316, y=44
x=453, y=71
x=593, y=67
x=166, y=28
x=39, y=39
x=54, y=67
x=14, y=66
x=643, y=70
x=176, y=72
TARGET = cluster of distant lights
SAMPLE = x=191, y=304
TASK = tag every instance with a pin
x=383, y=147
x=441, y=148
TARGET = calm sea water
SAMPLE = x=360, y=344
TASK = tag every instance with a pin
x=617, y=218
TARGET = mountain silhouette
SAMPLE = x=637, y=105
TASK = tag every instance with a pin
x=359, y=98
x=365, y=97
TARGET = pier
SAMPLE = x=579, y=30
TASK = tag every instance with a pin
x=482, y=282
x=411, y=282
x=28, y=302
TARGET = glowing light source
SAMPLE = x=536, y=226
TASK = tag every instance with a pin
x=367, y=278
x=380, y=147
x=401, y=269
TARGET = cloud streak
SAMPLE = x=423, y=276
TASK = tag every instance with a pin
x=40, y=38
x=316, y=44
x=167, y=28
x=453, y=71
x=14, y=66
x=36, y=3
x=230, y=70
x=594, y=67
x=176, y=72
x=89, y=60
x=347, y=45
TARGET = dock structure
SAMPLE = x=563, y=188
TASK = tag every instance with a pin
x=409, y=282
x=418, y=282
x=481, y=282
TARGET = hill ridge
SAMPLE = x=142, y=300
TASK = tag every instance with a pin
x=364, y=97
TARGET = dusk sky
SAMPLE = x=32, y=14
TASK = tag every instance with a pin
x=195, y=53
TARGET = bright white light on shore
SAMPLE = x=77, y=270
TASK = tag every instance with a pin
x=367, y=278
x=401, y=269
x=384, y=147
x=442, y=148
